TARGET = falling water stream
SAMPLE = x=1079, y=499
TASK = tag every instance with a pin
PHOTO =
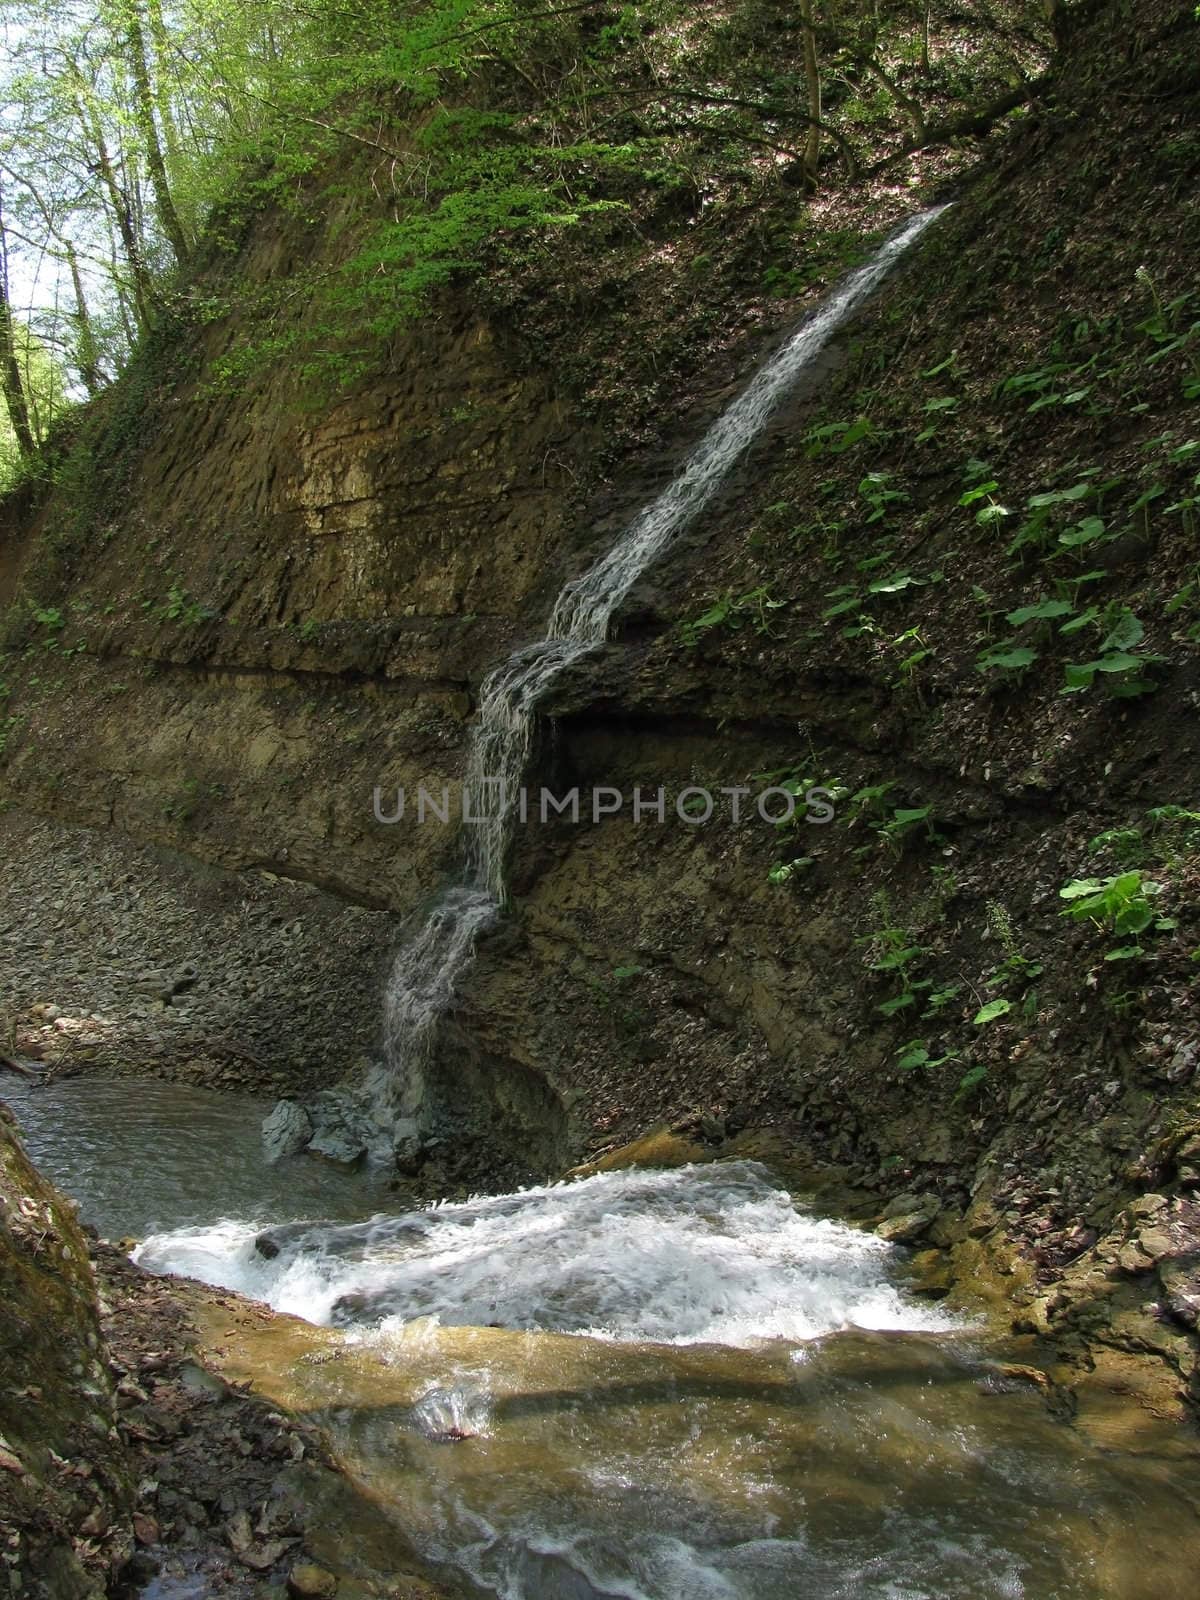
x=640, y=1385
x=428, y=967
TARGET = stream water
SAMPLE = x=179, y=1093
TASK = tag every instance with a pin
x=642, y=1385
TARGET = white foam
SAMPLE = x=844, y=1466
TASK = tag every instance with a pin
x=701, y=1254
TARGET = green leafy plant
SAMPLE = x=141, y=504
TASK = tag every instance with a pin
x=1040, y=528
x=917, y=1054
x=786, y=871
x=866, y=802
x=1122, y=670
x=1017, y=971
x=992, y=1010
x=906, y=668
x=893, y=951
x=877, y=489
x=1126, y=845
x=937, y=411
x=180, y=607
x=48, y=617
x=835, y=438
x=939, y=1000
x=1174, y=328
x=734, y=612
x=1041, y=611
x=1121, y=905
x=903, y=821
x=1006, y=657
x=971, y=1079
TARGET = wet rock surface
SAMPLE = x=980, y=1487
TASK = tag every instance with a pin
x=125, y=1457
x=66, y=1476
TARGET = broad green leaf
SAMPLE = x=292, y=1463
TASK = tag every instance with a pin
x=1039, y=612
x=1007, y=660
x=1057, y=497
x=901, y=819
x=1131, y=688
x=1085, y=532
x=889, y=1008
x=1078, y=887
x=1081, y=621
x=1079, y=676
x=916, y=1055
x=896, y=959
x=1125, y=633
x=993, y=1009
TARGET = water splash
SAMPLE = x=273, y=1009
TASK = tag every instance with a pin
x=426, y=971
x=695, y=1255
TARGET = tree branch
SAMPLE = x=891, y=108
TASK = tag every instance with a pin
x=971, y=125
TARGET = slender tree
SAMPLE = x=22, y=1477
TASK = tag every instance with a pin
x=144, y=114
x=15, y=399
x=812, y=80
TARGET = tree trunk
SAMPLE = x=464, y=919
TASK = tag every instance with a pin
x=161, y=50
x=812, y=78
x=143, y=103
x=121, y=212
x=911, y=108
x=10, y=364
x=87, y=353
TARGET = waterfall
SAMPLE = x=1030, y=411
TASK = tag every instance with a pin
x=426, y=970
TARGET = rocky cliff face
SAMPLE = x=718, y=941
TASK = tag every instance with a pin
x=126, y=1457
x=65, y=1489
x=283, y=609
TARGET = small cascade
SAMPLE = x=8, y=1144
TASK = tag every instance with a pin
x=692, y=1255
x=426, y=971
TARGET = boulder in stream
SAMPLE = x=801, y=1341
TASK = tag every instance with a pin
x=286, y=1130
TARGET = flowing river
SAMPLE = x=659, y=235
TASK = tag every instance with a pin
x=641, y=1385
